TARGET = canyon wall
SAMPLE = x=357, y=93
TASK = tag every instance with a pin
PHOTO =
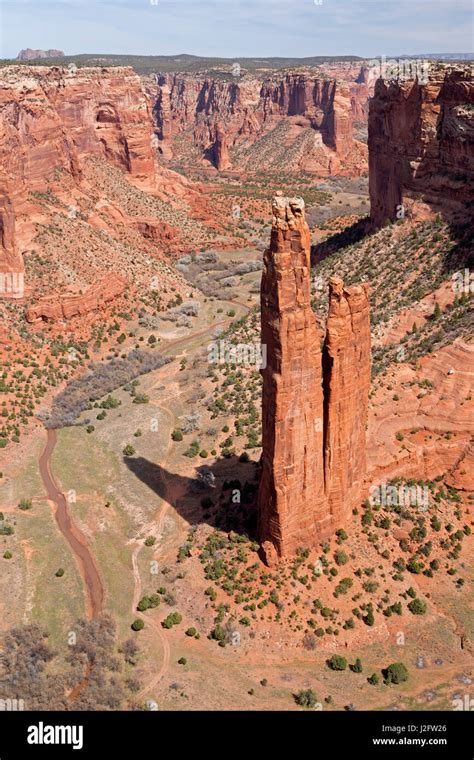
x=421, y=145
x=314, y=403
x=67, y=306
x=248, y=108
x=50, y=119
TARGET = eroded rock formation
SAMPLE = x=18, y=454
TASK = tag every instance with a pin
x=291, y=498
x=243, y=111
x=346, y=380
x=67, y=306
x=421, y=145
x=51, y=118
x=221, y=150
x=314, y=403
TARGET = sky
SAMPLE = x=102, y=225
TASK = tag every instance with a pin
x=233, y=28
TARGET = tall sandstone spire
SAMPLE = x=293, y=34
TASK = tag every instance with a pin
x=346, y=382
x=292, y=486
x=313, y=422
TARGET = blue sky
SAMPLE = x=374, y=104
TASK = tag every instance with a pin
x=233, y=28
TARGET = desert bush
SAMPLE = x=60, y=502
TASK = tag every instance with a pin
x=249, y=266
x=191, y=423
x=24, y=672
x=417, y=606
x=357, y=666
x=100, y=380
x=130, y=651
x=174, y=618
x=337, y=662
x=306, y=698
x=395, y=673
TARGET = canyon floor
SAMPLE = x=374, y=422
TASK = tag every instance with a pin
x=161, y=535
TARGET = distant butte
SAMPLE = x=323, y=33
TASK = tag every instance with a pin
x=30, y=55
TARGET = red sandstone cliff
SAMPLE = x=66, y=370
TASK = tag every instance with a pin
x=421, y=145
x=50, y=119
x=248, y=109
x=314, y=406
x=66, y=306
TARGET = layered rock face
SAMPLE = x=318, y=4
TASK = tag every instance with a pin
x=346, y=381
x=67, y=306
x=221, y=150
x=9, y=257
x=421, y=145
x=50, y=119
x=291, y=499
x=248, y=108
x=314, y=403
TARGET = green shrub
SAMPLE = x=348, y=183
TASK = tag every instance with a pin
x=218, y=633
x=141, y=398
x=357, y=666
x=340, y=557
x=337, y=662
x=174, y=618
x=138, y=625
x=396, y=673
x=414, y=567
x=417, y=606
x=148, y=602
x=306, y=698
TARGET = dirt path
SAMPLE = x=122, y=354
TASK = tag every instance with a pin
x=153, y=624
x=93, y=584
x=137, y=592
x=205, y=330
x=154, y=681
